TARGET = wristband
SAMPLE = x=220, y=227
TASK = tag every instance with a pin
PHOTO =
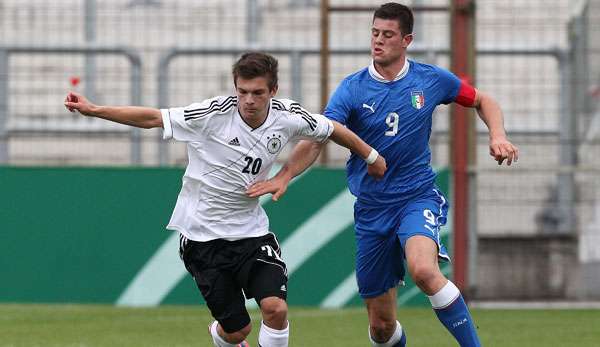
x=370, y=159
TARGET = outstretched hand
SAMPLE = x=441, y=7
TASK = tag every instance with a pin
x=276, y=186
x=378, y=168
x=77, y=102
x=501, y=149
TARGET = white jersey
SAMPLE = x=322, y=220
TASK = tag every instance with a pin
x=225, y=157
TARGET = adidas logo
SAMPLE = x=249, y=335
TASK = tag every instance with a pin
x=234, y=142
x=283, y=288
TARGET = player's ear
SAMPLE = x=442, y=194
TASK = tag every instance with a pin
x=407, y=40
x=274, y=90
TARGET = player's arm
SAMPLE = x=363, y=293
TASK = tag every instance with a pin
x=141, y=117
x=489, y=111
x=343, y=136
x=303, y=155
x=306, y=152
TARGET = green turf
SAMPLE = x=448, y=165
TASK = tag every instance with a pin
x=86, y=325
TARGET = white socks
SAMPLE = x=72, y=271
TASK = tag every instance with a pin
x=396, y=336
x=217, y=339
x=445, y=296
x=269, y=337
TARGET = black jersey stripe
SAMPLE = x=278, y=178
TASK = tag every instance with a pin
x=220, y=109
x=204, y=109
x=224, y=107
x=216, y=109
x=278, y=105
x=295, y=108
x=312, y=122
x=212, y=104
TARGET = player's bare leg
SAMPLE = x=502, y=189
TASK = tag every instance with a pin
x=422, y=259
x=274, y=311
x=382, y=315
x=274, y=330
x=384, y=329
x=224, y=339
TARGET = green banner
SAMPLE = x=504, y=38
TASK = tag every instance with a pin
x=96, y=235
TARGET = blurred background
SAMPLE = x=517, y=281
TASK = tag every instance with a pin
x=532, y=229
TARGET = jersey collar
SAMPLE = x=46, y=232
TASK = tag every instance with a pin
x=377, y=76
x=269, y=112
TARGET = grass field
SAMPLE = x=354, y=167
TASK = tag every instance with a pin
x=87, y=325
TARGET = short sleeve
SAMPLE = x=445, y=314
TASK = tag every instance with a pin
x=339, y=105
x=185, y=124
x=448, y=84
x=314, y=127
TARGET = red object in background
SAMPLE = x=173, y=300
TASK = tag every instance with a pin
x=463, y=26
x=75, y=81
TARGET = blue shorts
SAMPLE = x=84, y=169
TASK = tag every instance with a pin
x=382, y=232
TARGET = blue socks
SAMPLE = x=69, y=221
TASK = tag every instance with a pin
x=452, y=311
x=402, y=342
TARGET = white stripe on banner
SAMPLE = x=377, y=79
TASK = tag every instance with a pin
x=316, y=232
x=346, y=290
x=342, y=294
x=157, y=278
x=163, y=271
x=327, y=223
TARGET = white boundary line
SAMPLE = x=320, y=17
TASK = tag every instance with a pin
x=535, y=305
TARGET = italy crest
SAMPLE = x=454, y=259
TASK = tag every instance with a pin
x=417, y=99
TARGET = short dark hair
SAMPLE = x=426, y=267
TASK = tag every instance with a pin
x=399, y=12
x=256, y=64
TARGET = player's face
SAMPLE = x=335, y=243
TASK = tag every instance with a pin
x=253, y=98
x=388, y=45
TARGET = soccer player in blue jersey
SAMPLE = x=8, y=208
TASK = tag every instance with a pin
x=389, y=104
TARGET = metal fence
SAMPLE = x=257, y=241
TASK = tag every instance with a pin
x=539, y=58
x=536, y=223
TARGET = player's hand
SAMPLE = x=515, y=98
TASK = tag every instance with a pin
x=377, y=169
x=276, y=186
x=77, y=102
x=501, y=149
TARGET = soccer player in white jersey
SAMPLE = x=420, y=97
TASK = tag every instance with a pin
x=232, y=142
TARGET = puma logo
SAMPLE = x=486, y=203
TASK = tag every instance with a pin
x=369, y=107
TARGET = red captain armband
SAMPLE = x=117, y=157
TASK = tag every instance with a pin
x=466, y=95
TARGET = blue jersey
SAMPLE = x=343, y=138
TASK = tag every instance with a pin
x=394, y=117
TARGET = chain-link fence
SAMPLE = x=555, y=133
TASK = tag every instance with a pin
x=35, y=128
x=535, y=223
